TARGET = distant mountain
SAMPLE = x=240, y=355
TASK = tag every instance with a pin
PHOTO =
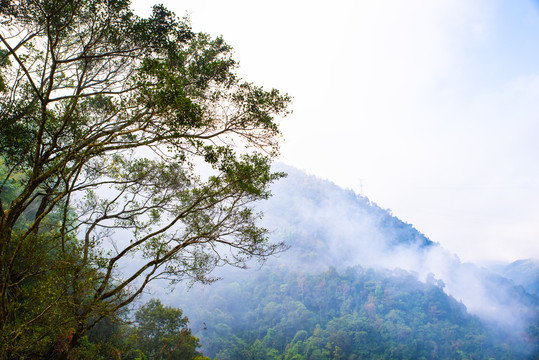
x=357, y=282
x=522, y=272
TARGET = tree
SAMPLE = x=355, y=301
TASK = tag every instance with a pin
x=162, y=332
x=106, y=120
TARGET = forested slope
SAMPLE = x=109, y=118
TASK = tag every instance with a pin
x=357, y=283
x=356, y=314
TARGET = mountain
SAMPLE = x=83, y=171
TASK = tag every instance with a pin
x=328, y=225
x=357, y=282
x=521, y=272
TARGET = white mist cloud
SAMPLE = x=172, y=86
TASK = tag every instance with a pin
x=329, y=226
x=431, y=105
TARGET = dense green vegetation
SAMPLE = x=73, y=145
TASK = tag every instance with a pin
x=105, y=118
x=356, y=314
x=315, y=302
x=157, y=332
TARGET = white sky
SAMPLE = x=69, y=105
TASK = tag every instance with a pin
x=430, y=107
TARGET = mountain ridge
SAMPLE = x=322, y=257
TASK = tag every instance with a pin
x=327, y=228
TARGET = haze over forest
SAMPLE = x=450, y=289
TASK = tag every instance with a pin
x=337, y=238
x=153, y=202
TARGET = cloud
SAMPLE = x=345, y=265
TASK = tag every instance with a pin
x=329, y=226
x=430, y=104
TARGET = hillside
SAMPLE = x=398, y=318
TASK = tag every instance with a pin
x=523, y=272
x=356, y=314
x=332, y=226
x=357, y=282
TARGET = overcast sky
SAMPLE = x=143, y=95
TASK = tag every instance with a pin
x=429, y=108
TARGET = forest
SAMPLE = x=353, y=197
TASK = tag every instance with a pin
x=356, y=314
x=142, y=215
x=312, y=303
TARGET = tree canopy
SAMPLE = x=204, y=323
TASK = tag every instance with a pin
x=288, y=312
x=106, y=121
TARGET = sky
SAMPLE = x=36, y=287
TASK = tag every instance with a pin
x=428, y=107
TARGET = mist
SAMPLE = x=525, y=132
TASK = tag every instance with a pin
x=346, y=229
x=327, y=227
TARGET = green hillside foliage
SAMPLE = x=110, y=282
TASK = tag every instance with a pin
x=288, y=314
x=130, y=151
x=158, y=332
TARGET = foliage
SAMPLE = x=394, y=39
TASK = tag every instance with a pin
x=162, y=333
x=357, y=314
x=159, y=332
x=105, y=120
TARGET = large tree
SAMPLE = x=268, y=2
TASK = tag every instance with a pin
x=130, y=151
